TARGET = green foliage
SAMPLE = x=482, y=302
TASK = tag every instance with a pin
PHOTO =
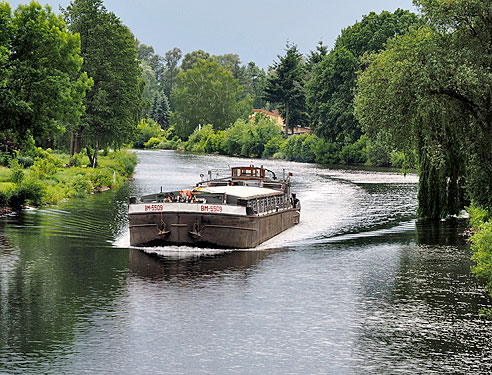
x=17, y=172
x=482, y=256
x=258, y=135
x=273, y=146
x=146, y=129
x=76, y=160
x=103, y=177
x=124, y=162
x=355, y=153
x=161, y=113
x=40, y=81
x=81, y=186
x=25, y=161
x=30, y=192
x=44, y=168
x=109, y=54
x=201, y=140
x=153, y=142
x=478, y=216
x=285, y=86
x=330, y=91
x=207, y=94
x=233, y=140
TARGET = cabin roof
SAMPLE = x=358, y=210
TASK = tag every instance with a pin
x=240, y=191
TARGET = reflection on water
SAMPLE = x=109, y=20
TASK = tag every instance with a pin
x=359, y=286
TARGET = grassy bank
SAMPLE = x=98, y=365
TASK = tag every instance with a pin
x=481, y=245
x=45, y=177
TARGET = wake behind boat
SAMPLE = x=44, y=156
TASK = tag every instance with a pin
x=241, y=210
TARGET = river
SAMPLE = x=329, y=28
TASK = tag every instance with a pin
x=358, y=287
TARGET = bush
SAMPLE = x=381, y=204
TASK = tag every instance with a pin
x=325, y=152
x=102, y=177
x=44, y=168
x=81, y=186
x=76, y=160
x=146, y=129
x=26, y=161
x=355, y=153
x=16, y=171
x=273, y=147
x=125, y=162
x=482, y=256
x=30, y=192
x=153, y=142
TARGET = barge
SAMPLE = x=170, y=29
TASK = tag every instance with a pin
x=240, y=208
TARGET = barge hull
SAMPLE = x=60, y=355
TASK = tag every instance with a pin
x=199, y=229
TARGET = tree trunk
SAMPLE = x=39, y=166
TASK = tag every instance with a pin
x=72, y=144
x=89, y=155
x=96, y=151
x=286, y=121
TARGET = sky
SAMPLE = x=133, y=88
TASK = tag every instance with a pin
x=256, y=30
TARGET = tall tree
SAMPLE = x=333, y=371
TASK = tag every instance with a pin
x=41, y=87
x=432, y=90
x=161, y=113
x=330, y=91
x=110, y=58
x=285, y=86
x=171, y=71
x=207, y=94
x=191, y=58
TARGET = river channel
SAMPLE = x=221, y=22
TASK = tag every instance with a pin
x=358, y=287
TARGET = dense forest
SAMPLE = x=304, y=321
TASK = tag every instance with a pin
x=402, y=89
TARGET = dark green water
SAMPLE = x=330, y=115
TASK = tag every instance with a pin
x=359, y=287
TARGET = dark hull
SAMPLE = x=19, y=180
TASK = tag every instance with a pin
x=201, y=229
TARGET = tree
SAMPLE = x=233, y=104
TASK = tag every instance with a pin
x=110, y=58
x=171, y=71
x=207, y=94
x=190, y=59
x=255, y=84
x=285, y=86
x=160, y=111
x=41, y=86
x=431, y=90
x=330, y=91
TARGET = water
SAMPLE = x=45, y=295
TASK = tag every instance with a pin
x=358, y=287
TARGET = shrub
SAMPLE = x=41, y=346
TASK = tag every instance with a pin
x=30, y=192
x=325, y=152
x=25, y=160
x=146, y=129
x=102, y=177
x=76, y=160
x=16, y=171
x=125, y=162
x=153, y=142
x=44, y=168
x=482, y=256
x=355, y=153
x=273, y=147
x=81, y=186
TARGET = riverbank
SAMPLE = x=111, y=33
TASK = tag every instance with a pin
x=481, y=245
x=46, y=177
x=262, y=138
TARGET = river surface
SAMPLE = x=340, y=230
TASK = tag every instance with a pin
x=358, y=287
